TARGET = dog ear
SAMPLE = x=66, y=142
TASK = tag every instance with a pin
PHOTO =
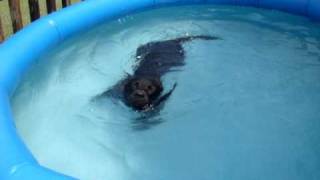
x=157, y=82
x=159, y=88
x=164, y=97
x=127, y=86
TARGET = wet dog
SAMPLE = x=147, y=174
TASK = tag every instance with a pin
x=143, y=90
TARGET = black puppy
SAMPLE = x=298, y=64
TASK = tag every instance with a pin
x=142, y=90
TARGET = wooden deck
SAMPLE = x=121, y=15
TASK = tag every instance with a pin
x=15, y=14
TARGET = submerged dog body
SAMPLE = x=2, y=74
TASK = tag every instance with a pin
x=143, y=90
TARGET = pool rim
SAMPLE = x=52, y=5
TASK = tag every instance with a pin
x=20, y=51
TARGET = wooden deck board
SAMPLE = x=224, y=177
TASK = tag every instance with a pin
x=20, y=14
x=5, y=18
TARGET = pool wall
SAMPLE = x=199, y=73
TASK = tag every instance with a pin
x=19, y=52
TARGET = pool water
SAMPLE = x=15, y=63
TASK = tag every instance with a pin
x=246, y=106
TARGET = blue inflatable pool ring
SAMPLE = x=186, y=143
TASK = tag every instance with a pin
x=21, y=50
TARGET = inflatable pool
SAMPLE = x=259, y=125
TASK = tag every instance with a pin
x=19, y=52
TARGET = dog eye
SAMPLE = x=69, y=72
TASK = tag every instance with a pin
x=136, y=84
x=151, y=89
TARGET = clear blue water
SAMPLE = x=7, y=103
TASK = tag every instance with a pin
x=246, y=107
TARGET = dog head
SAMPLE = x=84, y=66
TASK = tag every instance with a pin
x=140, y=92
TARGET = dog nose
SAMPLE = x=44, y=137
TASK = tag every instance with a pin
x=139, y=93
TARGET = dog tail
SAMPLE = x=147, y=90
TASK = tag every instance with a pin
x=190, y=38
